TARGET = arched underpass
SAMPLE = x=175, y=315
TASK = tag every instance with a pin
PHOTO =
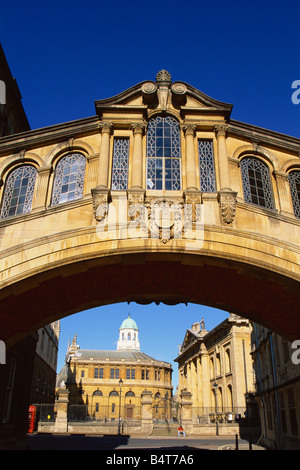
x=268, y=298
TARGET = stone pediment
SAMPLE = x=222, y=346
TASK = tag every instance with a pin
x=163, y=95
x=190, y=338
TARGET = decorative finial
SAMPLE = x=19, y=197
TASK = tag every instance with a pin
x=163, y=76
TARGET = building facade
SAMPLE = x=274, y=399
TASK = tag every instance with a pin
x=215, y=368
x=277, y=388
x=45, y=364
x=109, y=384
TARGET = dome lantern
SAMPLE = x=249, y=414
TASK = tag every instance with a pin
x=128, y=335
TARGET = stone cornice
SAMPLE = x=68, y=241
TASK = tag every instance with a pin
x=264, y=136
x=47, y=135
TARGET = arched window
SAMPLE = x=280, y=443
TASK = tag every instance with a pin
x=98, y=393
x=69, y=178
x=227, y=360
x=130, y=394
x=294, y=182
x=163, y=154
x=218, y=364
x=18, y=192
x=229, y=397
x=114, y=393
x=211, y=368
x=256, y=182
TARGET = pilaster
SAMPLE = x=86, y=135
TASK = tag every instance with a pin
x=222, y=157
x=137, y=161
x=284, y=193
x=40, y=199
x=191, y=174
x=103, y=169
x=92, y=172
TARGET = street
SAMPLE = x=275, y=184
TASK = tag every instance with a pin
x=122, y=443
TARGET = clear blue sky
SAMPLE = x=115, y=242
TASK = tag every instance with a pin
x=67, y=54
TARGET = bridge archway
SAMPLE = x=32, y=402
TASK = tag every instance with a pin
x=252, y=291
x=246, y=260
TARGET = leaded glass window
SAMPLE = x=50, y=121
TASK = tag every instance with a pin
x=120, y=164
x=206, y=165
x=69, y=178
x=256, y=182
x=18, y=192
x=163, y=154
x=294, y=181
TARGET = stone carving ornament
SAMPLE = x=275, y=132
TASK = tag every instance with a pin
x=149, y=88
x=228, y=206
x=136, y=206
x=100, y=204
x=163, y=76
x=165, y=217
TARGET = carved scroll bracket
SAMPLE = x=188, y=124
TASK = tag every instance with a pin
x=100, y=203
x=136, y=199
x=227, y=201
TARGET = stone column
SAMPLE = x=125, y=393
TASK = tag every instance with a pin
x=189, y=376
x=194, y=384
x=222, y=157
x=40, y=199
x=199, y=385
x=137, y=161
x=180, y=379
x=61, y=421
x=205, y=378
x=147, y=415
x=103, y=169
x=227, y=197
x=191, y=174
x=101, y=193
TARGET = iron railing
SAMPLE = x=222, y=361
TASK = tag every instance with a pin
x=106, y=414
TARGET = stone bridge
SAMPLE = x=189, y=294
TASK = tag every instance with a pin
x=161, y=197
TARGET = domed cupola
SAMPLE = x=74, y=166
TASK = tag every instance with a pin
x=128, y=335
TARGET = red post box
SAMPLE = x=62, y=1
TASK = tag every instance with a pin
x=31, y=418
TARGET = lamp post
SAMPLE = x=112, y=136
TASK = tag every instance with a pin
x=215, y=385
x=119, y=423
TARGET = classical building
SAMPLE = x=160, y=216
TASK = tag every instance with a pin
x=111, y=383
x=45, y=364
x=277, y=388
x=216, y=371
